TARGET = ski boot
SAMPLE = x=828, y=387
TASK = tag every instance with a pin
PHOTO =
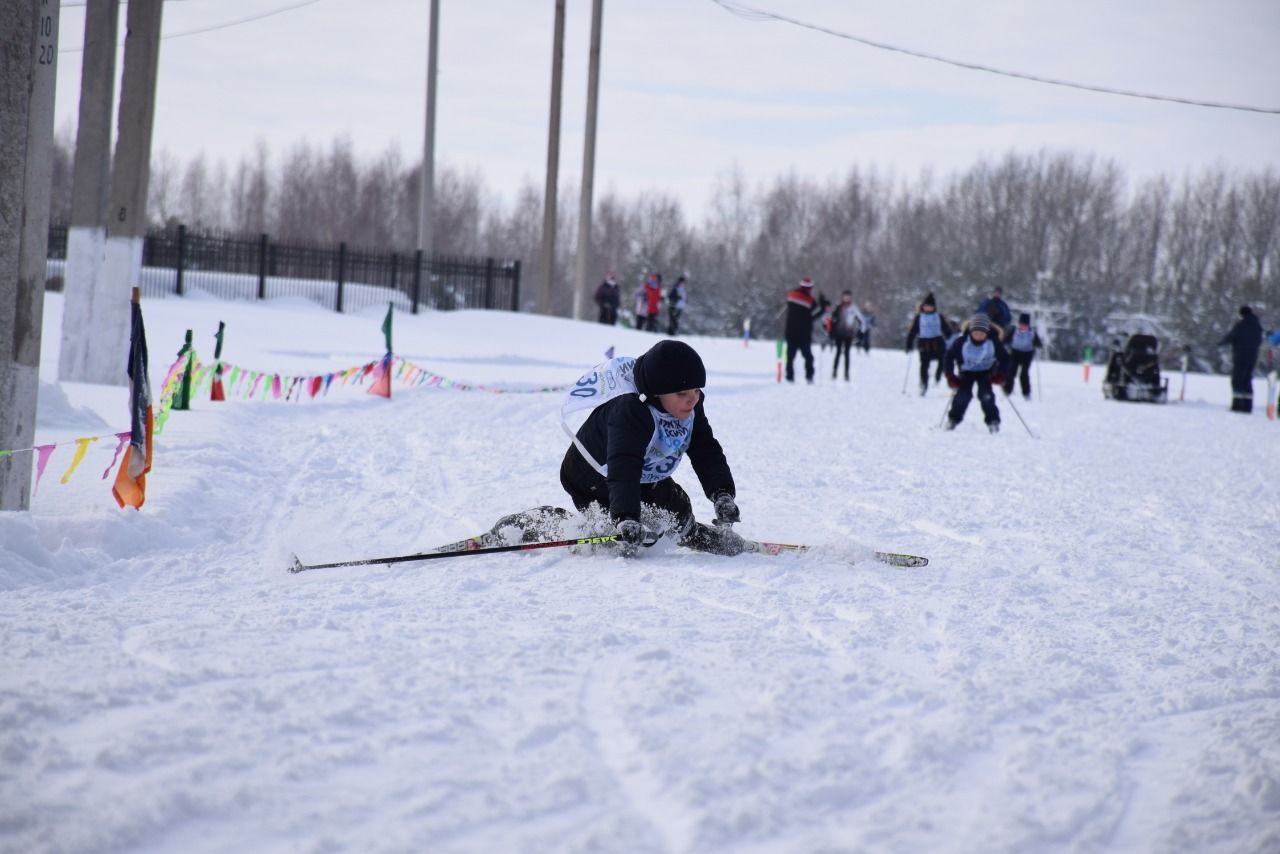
x=994, y=426
x=950, y=425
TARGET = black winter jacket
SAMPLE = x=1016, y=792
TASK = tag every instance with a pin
x=802, y=309
x=619, y=431
x=1245, y=339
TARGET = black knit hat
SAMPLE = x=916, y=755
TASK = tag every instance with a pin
x=929, y=300
x=1245, y=311
x=669, y=366
x=1024, y=318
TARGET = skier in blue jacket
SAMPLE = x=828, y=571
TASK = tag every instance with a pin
x=976, y=358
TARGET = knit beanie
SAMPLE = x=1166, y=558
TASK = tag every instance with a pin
x=1024, y=318
x=806, y=282
x=1245, y=311
x=929, y=300
x=980, y=321
x=669, y=366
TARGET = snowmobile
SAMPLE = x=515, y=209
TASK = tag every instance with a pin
x=1133, y=373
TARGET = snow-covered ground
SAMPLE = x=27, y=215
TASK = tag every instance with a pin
x=1091, y=662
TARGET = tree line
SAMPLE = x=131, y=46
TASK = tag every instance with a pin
x=1067, y=228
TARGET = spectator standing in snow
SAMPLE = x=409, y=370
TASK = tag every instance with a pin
x=845, y=324
x=867, y=322
x=634, y=441
x=642, y=307
x=675, y=305
x=608, y=298
x=802, y=310
x=1245, y=339
x=1022, y=349
x=929, y=330
x=997, y=310
x=653, y=301
x=976, y=358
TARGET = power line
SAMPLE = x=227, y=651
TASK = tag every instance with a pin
x=221, y=26
x=753, y=14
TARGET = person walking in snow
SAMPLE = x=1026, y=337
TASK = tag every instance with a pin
x=976, y=358
x=1245, y=340
x=652, y=301
x=867, y=322
x=929, y=329
x=623, y=456
x=608, y=298
x=1023, y=344
x=675, y=305
x=641, y=301
x=845, y=323
x=802, y=310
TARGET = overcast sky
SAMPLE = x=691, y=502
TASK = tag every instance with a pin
x=689, y=90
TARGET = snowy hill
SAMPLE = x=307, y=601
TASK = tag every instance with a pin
x=1091, y=662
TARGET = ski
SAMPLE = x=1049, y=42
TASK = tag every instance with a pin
x=891, y=558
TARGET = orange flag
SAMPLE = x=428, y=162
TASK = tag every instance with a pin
x=131, y=479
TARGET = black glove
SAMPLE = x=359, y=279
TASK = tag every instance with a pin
x=727, y=512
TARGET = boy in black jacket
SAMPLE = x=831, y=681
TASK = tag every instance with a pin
x=802, y=310
x=930, y=329
x=975, y=358
x=1023, y=344
x=622, y=458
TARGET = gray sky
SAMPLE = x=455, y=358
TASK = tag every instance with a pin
x=688, y=90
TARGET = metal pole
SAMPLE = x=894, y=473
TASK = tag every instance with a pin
x=28, y=74
x=547, y=262
x=426, y=188
x=588, y=164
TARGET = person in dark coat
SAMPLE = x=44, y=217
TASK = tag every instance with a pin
x=802, y=310
x=624, y=454
x=675, y=305
x=1245, y=339
x=930, y=330
x=976, y=358
x=846, y=321
x=997, y=310
x=1023, y=344
x=608, y=298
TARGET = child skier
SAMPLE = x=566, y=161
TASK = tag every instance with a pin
x=932, y=329
x=976, y=358
x=623, y=456
x=1022, y=349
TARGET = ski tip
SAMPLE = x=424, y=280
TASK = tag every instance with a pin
x=901, y=560
x=296, y=566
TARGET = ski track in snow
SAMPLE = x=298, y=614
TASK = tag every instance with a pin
x=1090, y=663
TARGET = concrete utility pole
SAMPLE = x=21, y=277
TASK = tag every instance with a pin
x=588, y=164
x=28, y=74
x=426, y=192
x=127, y=206
x=547, y=268
x=90, y=183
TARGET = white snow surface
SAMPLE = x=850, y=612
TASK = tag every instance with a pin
x=1091, y=661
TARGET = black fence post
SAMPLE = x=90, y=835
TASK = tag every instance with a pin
x=515, y=285
x=262, y=266
x=488, y=283
x=182, y=251
x=342, y=271
x=417, y=280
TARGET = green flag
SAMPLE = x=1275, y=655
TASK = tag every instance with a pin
x=386, y=325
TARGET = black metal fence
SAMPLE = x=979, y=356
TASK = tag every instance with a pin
x=344, y=278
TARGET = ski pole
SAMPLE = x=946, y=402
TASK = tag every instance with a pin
x=947, y=408
x=299, y=566
x=1019, y=414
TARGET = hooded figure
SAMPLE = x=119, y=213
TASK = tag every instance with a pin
x=639, y=438
x=975, y=358
x=1245, y=339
